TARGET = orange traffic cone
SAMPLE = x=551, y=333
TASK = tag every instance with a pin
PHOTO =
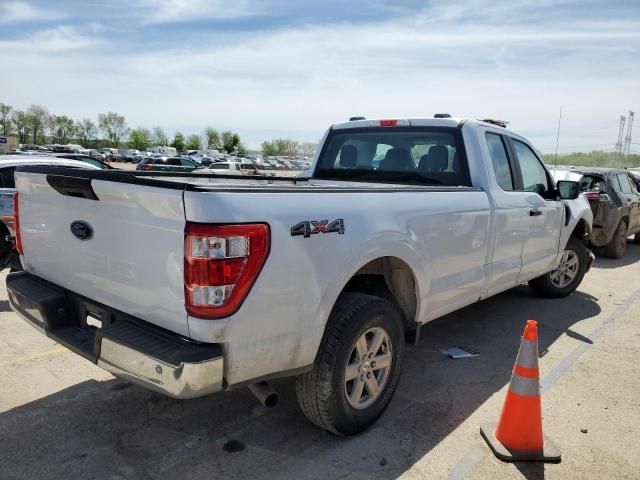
x=518, y=434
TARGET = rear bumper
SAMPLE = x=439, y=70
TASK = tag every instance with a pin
x=124, y=345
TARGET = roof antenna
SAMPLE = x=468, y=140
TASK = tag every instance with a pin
x=555, y=159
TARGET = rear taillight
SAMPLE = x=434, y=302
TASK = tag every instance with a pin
x=16, y=223
x=147, y=166
x=221, y=264
x=592, y=195
x=598, y=196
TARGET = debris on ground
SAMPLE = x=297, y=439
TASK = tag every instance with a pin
x=233, y=446
x=457, y=352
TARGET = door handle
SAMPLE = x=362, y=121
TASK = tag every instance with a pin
x=534, y=212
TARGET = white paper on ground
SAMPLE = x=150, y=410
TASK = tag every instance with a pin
x=457, y=352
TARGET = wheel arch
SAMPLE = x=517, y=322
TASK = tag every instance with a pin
x=391, y=278
x=582, y=230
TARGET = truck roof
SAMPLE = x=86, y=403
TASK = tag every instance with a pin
x=419, y=122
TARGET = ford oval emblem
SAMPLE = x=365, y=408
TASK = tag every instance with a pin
x=82, y=229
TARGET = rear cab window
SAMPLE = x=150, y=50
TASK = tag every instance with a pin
x=413, y=155
x=593, y=183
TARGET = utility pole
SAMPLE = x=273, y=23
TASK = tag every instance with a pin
x=555, y=160
x=627, y=138
x=620, y=135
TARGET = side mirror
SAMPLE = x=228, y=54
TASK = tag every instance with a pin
x=568, y=190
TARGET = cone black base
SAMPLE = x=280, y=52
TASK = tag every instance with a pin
x=550, y=452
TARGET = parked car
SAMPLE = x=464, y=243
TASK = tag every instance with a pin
x=228, y=168
x=615, y=202
x=8, y=256
x=86, y=158
x=167, y=164
x=225, y=283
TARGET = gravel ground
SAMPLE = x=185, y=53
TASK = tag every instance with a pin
x=62, y=417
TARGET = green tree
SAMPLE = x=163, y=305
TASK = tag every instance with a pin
x=37, y=116
x=230, y=141
x=160, y=137
x=213, y=138
x=140, y=138
x=308, y=149
x=269, y=149
x=21, y=123
x=114, y=127
x=241, y=150
x=62, y=128
x=194, y=142
x=5, y=118
x=86, y=131
x=594, y=159
x=281, y=146
x=178, y=142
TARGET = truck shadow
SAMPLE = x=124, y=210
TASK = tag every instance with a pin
x=632, y=255
x=113, y=430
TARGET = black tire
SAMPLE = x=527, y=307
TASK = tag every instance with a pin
x=618, y=244
x=544, y=285
x=636, y=238
x=321, y=392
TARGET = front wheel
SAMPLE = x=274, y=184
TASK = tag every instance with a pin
x=565, y=279
x=357, y=368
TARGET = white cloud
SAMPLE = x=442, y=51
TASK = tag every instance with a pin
x=22, y=11
x=299, y=80
x=60, y=39
x=169, y=11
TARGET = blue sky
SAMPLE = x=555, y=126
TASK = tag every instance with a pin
x=289, y=68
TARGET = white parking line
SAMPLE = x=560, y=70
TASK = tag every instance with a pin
x=474, y=456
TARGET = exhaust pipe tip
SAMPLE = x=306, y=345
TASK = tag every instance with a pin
x=265, y=394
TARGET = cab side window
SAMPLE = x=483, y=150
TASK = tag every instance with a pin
x=500, y=161
x=534, y=175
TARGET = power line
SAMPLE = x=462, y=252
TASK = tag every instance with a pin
x=558, y=136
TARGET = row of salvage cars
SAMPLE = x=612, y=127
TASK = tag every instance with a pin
x=614, y=197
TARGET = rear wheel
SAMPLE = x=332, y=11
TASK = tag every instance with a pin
x=357, y=368
x=565, y=279
x=618, y=244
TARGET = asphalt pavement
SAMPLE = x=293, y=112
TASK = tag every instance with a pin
x=61, y=417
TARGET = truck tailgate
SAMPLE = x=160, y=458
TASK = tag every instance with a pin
x=132, y=262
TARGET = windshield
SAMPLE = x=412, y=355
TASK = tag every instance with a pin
x=431, y=156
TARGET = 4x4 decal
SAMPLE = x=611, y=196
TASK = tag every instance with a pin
x=312, y=227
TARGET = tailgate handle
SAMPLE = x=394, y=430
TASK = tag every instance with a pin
x=72, y=186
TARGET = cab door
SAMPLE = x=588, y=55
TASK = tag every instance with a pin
x=511, y=224
x=545, y=212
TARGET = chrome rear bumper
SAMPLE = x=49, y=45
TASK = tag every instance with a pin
x=125, y=346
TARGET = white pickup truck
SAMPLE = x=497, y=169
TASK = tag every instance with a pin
x=193, y=283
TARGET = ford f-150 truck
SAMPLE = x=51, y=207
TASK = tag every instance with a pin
x=193, y=283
